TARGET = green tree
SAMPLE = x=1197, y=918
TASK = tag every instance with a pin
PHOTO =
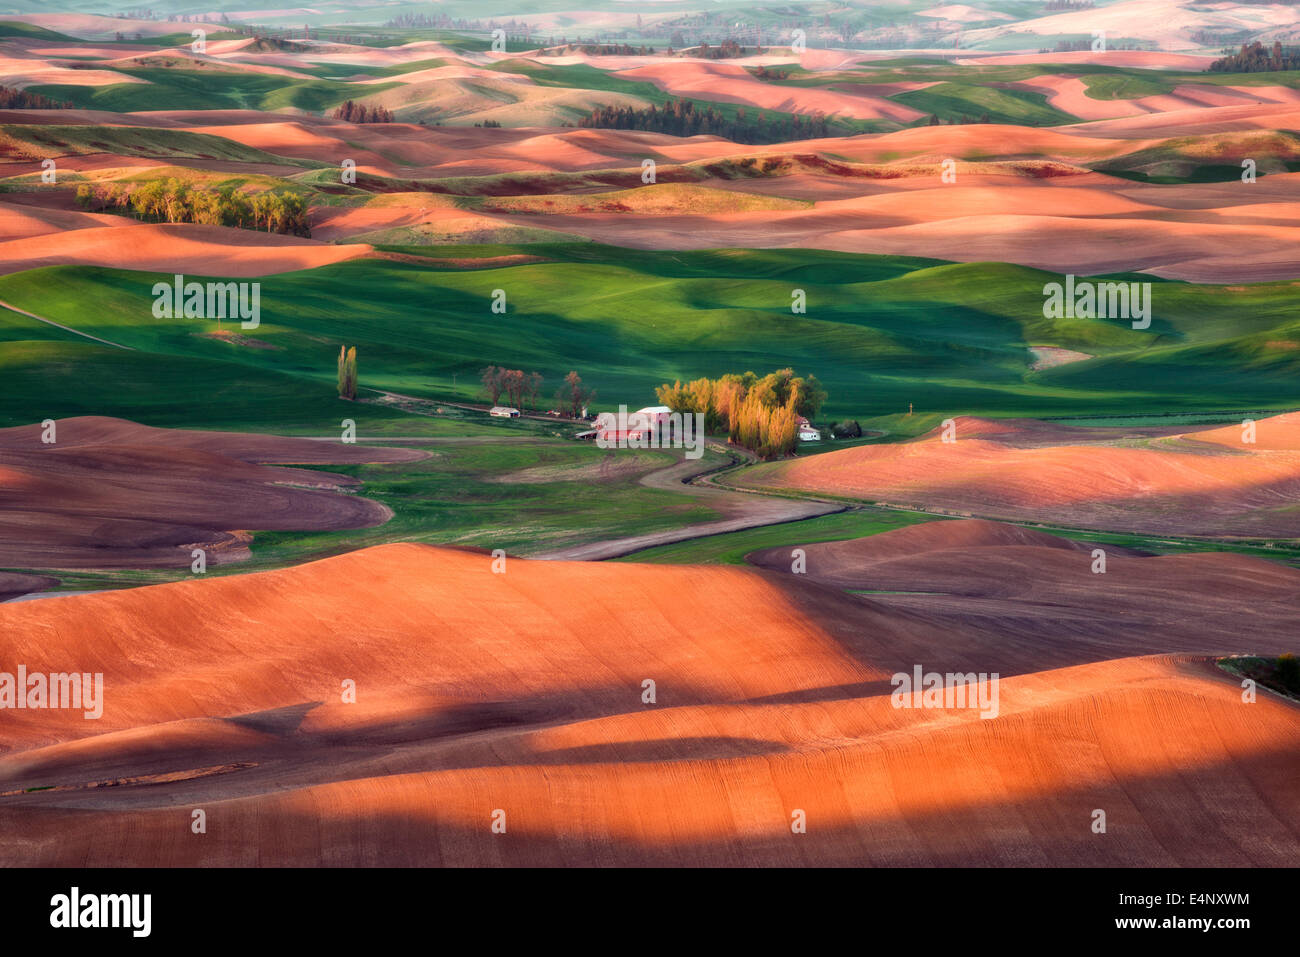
x=347, y=375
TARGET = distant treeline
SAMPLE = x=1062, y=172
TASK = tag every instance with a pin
x=11, y=99
x=726, y=50
x=935, y=121
x=1225, y=41
x=681, y=118
x=1068, y=5
x=1256, y=58
x=360, y=113
x=440, y=22
x=605, y=49
x=174, y=201
x=1074, y=46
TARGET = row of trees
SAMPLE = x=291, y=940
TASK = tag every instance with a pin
x=11, y=99
x=760, y=413
x=441, y=21
x=935, y=121
x=726, y=50
x=347, y=372
x=1075, y=46
x=1256, y=58
x=522, y=389
x=680, y=117
x=175, y=201
x=360, y=113
x=608, y=49
x=514, y=384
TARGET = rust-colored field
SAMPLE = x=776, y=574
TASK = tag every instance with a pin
x=114, y=494
x=521, y=693
x=1080, y=478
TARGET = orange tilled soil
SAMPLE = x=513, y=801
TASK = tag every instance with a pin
x=112, y=493
x=520, y=694
x=1208, y=482
x=188, y=248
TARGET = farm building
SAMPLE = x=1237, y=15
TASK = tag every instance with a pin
x=806, y=431
x=653, y=425
x=624, y=427
x=504, y=412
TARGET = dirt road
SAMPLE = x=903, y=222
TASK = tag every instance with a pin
x=742, y=510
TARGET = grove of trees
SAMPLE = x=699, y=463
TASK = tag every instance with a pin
x=758, y=413
x=1256, y=58
x=680, y=117
x=11, y=99
x=351, y=112
x=516, y=385
x=726, y=50
x=175, y=201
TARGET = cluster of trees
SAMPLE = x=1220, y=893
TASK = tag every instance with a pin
x=935, y=121
x=360, y=113
x=680, y=117
x=1068, y=5
x=607, y=49
x=765, y=73
x=760, y=413
x=270, y=44
x=489, y=124
x=515, y=384
x=522, y=389
x=1256, y=58
x=11, y=99
x=175, y=201
x=441, y=22
x=347, y=372
x=726, y=50
x=1071, y=46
